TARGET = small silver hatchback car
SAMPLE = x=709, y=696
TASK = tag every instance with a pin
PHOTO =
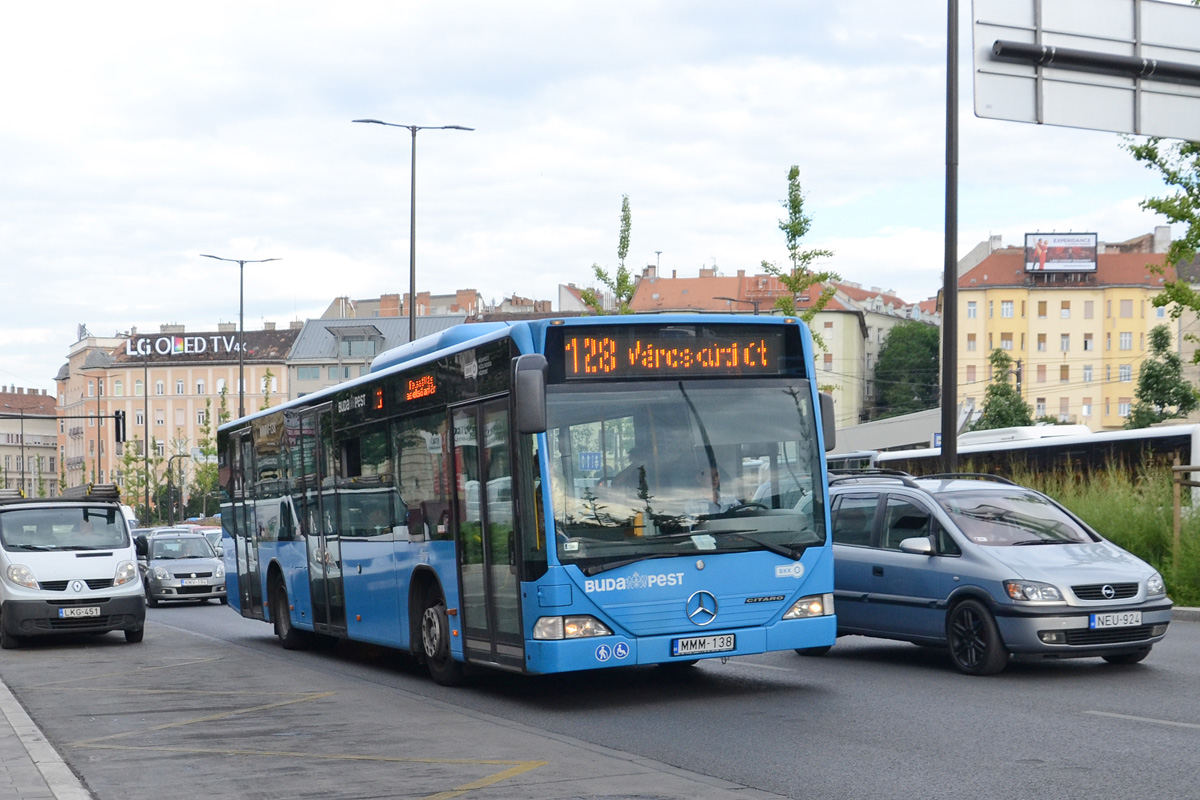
x=988, y=569
x=181, y=566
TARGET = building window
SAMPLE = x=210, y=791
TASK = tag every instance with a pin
x=200, y=388
x=160, y=416
x=1039, y=407
x=160, y=388
x=970, y=373
x=334, y=373
x=1123, y=406
x=1064, y=373
x=137, y=388
x=118, y=388
x=179, y=386
x=1127, y=340
x=829, y=362
x=139, y=418
x=1126, y=373
x=220, y=385
x=1089, y=343
x=1041, y=309
x=1126, y=309
x=1064, y=409
x=201, y=418
x=1064, y=342
x=1085, y=410
x=991, y=308
x=1041, y=344
x=1108, y=373
x=1006, y=309
x=1006, y=341
x=160, y=447
x=1065, y=313
x=1087, y=373
x=308, y=373
x=971, y=342
x=179, y=418
x=1160, y=312
x=1089, y=309
x=972, y=311
x=828, y=327
x=1041, y=373
x=91, y=389
x=1108, y=341
x=274, y=387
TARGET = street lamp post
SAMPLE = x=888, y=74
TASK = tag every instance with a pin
x=735, y=300
x=241, y=262
x=412, y=218
x=170, y=493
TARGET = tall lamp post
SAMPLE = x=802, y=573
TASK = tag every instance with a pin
x=735, y=300
x=241, y=262
x=412, y=218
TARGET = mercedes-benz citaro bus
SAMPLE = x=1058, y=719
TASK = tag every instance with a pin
x=545, y=496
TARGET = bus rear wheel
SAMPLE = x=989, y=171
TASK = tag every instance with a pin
x=435, y=640
x=281, y=616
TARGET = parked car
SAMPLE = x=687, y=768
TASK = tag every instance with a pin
x=180, y=566
x=987, y=569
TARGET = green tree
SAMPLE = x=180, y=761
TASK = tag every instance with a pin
x=1002, y=405
x=223, y=412
x=621, y=284
x=1179, y=164
x=906, y=374
x=140, y=473
x=801, y=276
x=268, y=376
x=1162, y=393
x=204, y=475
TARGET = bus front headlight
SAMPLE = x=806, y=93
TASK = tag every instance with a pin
x=22, y=575
x=575, y=627
x=815, y=605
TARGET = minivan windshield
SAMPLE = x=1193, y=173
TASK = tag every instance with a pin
x=64, y=528
x=1012, y=518
x=657, y=469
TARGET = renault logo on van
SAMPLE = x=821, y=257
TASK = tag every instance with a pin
x=702, y=608
x=77, y=586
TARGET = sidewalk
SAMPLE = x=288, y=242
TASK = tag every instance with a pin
x=31, y=769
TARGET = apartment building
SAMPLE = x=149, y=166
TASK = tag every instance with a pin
x=1077, y=337
x=167, y=384
x=28, y=441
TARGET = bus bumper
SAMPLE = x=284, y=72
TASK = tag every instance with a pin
x=566, y=655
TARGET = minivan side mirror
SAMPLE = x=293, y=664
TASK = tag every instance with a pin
x=918, y=545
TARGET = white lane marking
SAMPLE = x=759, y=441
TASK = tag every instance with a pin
x=1145, y=719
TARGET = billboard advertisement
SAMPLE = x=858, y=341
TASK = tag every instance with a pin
x=1060, y=252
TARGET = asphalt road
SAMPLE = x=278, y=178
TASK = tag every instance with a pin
x=869, y=720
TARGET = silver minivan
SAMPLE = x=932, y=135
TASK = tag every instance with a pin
x=987, y=569
x=68, y=565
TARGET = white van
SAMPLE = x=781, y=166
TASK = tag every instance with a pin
x=68, y=565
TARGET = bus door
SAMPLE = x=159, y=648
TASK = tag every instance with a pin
x=246, y=544
x=489, y=584
x=324, y=542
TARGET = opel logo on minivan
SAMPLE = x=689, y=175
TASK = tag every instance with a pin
x=1108, y=591
x=702, y=608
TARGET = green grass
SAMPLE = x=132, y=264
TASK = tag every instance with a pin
x=1136, y=513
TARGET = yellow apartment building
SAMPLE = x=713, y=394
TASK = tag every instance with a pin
x=1078, y=339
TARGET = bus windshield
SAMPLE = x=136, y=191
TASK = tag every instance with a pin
x=655, y=469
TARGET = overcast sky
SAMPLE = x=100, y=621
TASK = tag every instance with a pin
x=136, y=136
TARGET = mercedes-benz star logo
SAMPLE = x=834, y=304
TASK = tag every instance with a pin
x=702, y=608
x=1108, y=591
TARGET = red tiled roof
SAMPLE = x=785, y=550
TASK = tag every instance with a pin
x=1007, y=268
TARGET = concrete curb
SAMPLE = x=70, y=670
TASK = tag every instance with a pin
x=1185, y=614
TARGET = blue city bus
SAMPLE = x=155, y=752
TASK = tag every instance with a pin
x=545, y=496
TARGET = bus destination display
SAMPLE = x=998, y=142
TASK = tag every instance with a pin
x=626, y=353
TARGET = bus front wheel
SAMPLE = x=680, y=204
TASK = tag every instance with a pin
x=435, y=640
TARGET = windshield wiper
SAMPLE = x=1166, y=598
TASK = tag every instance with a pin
x=1028, y=542
x=596, y=569
x=40, y=547
x=788, y=552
